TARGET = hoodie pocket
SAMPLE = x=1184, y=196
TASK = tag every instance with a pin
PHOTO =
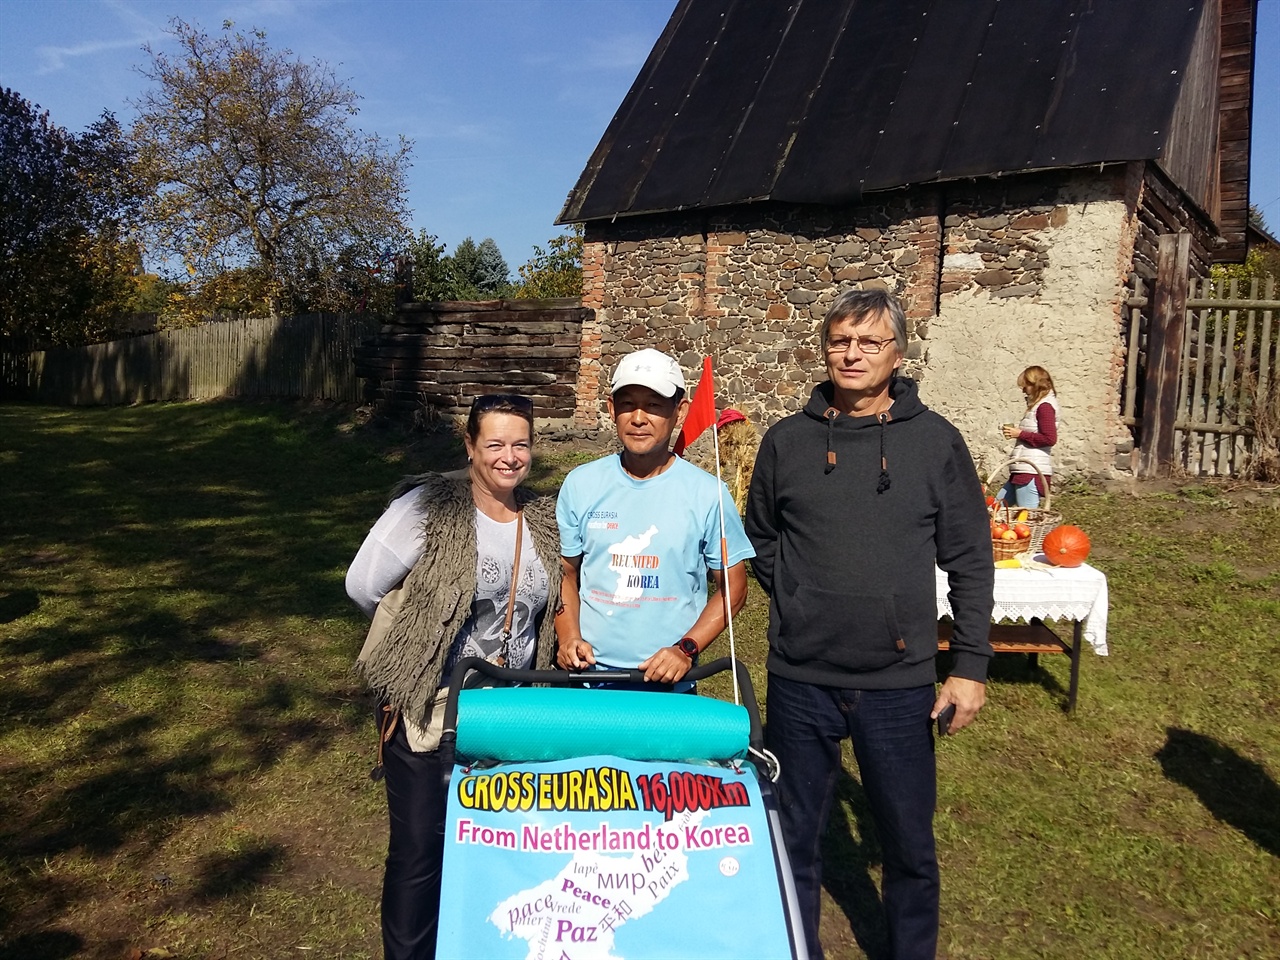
x=852, y=631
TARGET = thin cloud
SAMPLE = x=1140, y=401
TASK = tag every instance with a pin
x=144, y=26
x=53, y=59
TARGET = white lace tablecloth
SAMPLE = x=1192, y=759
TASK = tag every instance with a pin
x=1077, y=593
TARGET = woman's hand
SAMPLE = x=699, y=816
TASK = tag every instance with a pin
x=1010, y=431
x=575, y=654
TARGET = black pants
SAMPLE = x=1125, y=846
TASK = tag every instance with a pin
x=416, y=802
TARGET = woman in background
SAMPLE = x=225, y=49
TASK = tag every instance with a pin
x=1035, y=437
x=474, y=536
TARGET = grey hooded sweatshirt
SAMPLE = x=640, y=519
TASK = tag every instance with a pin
x=848, y=516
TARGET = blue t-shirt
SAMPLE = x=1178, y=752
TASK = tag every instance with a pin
x=646, y=546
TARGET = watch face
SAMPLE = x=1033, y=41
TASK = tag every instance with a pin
x=689, y=648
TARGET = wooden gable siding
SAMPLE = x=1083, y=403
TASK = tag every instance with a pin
x=1190, y=151
x=1235, y=97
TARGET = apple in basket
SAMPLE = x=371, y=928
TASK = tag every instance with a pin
x=1022, y=530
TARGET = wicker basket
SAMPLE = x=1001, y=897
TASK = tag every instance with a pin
x=1040, y=519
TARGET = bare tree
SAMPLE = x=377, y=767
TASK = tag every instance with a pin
x=253, y=160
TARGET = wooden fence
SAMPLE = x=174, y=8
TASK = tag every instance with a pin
x=438, y=356
x=1227, y=343
x=308, y=356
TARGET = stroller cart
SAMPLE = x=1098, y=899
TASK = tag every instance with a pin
x=594, y=823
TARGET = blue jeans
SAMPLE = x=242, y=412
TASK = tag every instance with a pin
x=1024, y=496
x=893, y=742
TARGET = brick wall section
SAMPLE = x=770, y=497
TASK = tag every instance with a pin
x=589, y=389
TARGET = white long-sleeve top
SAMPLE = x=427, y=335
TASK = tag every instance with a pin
x=388, y=553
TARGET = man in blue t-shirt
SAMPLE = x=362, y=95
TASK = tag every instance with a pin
x=638, y=532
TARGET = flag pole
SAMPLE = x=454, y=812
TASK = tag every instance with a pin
x=724, y=569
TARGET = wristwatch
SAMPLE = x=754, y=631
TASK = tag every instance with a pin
x=687, y=646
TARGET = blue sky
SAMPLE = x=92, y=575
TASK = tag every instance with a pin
x=505, y=99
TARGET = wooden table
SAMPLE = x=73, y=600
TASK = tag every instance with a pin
x=1076, y=594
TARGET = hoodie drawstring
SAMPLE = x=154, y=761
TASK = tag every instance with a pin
x=883, y=485
x=830, y=414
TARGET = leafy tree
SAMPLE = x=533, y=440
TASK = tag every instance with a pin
x=1261, y=264
x=67, y=207
x=431, y=268
x=254, y=163
x=357, y=281
x=556, y=271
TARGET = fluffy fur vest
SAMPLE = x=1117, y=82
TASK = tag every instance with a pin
x=404, y=667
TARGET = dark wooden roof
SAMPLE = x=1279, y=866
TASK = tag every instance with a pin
x=823, y=101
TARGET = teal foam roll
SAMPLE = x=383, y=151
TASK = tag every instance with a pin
x=555, y=723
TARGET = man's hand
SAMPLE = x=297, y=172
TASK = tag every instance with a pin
x=666, y=666
x=575, y=654
x=967, y=695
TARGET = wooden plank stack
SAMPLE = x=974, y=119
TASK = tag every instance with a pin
x=442, y=355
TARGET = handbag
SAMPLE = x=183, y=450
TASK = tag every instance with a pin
x=424, y=739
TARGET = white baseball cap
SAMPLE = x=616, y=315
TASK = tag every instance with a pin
x=648, y=368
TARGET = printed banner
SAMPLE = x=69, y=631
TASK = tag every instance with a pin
x=599, y=857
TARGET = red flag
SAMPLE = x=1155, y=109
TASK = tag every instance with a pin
x=702, y=411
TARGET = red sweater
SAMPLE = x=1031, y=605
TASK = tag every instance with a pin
x=1046, y=435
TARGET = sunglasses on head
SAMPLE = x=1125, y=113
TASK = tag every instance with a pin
x=494, y=401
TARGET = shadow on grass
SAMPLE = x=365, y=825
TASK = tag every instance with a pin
x=224, y=875
x=42, y=945
x=16, y=604
x=1012, y=668
x=1234, y=789
x=173, y=623
x=850, y=851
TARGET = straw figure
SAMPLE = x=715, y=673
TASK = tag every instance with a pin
x=739, y=443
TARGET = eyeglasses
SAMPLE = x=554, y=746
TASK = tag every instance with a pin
x=868, y=345
x=500, y=401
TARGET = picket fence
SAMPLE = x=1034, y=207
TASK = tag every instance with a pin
x=1228, y=371
x=308, y=356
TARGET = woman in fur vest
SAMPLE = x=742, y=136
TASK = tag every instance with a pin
x=461, y=564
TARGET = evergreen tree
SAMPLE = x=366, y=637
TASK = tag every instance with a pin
x=493, y=276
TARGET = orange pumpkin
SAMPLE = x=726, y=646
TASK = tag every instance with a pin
x=1066, y=546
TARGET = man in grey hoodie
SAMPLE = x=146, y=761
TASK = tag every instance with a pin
x=852, y=503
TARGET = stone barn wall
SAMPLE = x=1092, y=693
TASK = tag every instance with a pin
x=995, y=274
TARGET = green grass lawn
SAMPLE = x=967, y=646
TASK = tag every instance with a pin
x=184, y=750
